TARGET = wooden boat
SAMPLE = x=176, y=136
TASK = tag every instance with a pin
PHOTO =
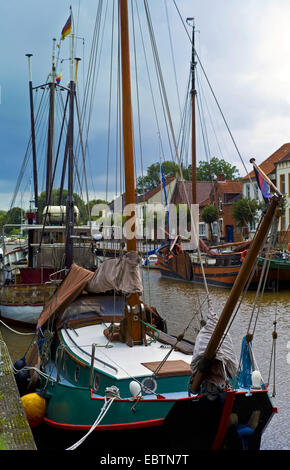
x=105, y=365
x=219, y=269
x=278, y=266
x=29, y=275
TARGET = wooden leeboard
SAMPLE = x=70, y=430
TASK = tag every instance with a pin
x=169, y=368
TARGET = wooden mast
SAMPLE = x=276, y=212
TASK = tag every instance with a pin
x=50, y=139
x=235, y=293
x=70, y=150
x=134, y=333
x=193, y=124
x=35, y=178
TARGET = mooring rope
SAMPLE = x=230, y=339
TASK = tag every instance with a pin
x=17, y=332
x=103, y=412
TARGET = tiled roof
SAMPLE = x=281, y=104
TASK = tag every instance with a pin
x=268, y=165
x=183, y=192
x=230, y=187
x=284, y=159
x=149, y=194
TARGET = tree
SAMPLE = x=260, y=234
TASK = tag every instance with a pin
x=209, y=215
x=2, y=217
x=208, y=171
x=245, y=211
x=152, y=179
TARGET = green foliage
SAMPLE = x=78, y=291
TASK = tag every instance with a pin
x=152, y=179
x=204, y=172
x=210, y=214
x=93, y=203
x=245, y=211
x=208, y=171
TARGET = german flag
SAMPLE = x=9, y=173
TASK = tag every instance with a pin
x=66, y=29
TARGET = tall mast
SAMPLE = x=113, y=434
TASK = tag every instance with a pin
x=35, y=183
x=134, y=333
x=193, y=124
x=50, y=139
x=70, y=138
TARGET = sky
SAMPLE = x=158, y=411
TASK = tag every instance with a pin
x=244, y=49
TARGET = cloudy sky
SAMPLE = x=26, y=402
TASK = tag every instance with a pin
x=244, y=48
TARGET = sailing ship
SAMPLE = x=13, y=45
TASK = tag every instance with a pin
x=105, y=363
x=31, y=272
x=220, y=265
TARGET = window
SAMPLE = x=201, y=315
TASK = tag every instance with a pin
x=202, y=229
x=214, y=228
x=221, y=227
x=282, y=184
x=256, y=191
x=288, y=184
x=248, y=191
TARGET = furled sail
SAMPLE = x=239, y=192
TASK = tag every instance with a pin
x=120, y=274
x=225, y=360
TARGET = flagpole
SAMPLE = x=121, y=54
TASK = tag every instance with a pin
x=275, y=189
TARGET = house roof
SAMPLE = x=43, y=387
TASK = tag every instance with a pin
x=268, y=165
x=230, y=187
x=284, y=159
x=149, y=194
x=183, y=192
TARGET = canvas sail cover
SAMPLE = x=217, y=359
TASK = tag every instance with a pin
x=225, y=354
x=70, y=288
x=121, y=274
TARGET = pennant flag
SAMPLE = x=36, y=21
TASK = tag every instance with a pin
x=58, y=78
x=66, y=29
x=263, y=185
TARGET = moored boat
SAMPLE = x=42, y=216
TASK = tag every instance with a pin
x=104, y=361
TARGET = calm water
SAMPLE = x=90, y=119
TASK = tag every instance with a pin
x=179, y=302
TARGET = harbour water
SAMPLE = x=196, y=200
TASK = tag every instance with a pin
x=178, y=303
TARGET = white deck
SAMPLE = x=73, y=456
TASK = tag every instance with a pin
x=125, y=361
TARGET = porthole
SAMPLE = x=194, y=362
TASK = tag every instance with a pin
x=77, y=374
x=96, y=384
x=149, y=385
